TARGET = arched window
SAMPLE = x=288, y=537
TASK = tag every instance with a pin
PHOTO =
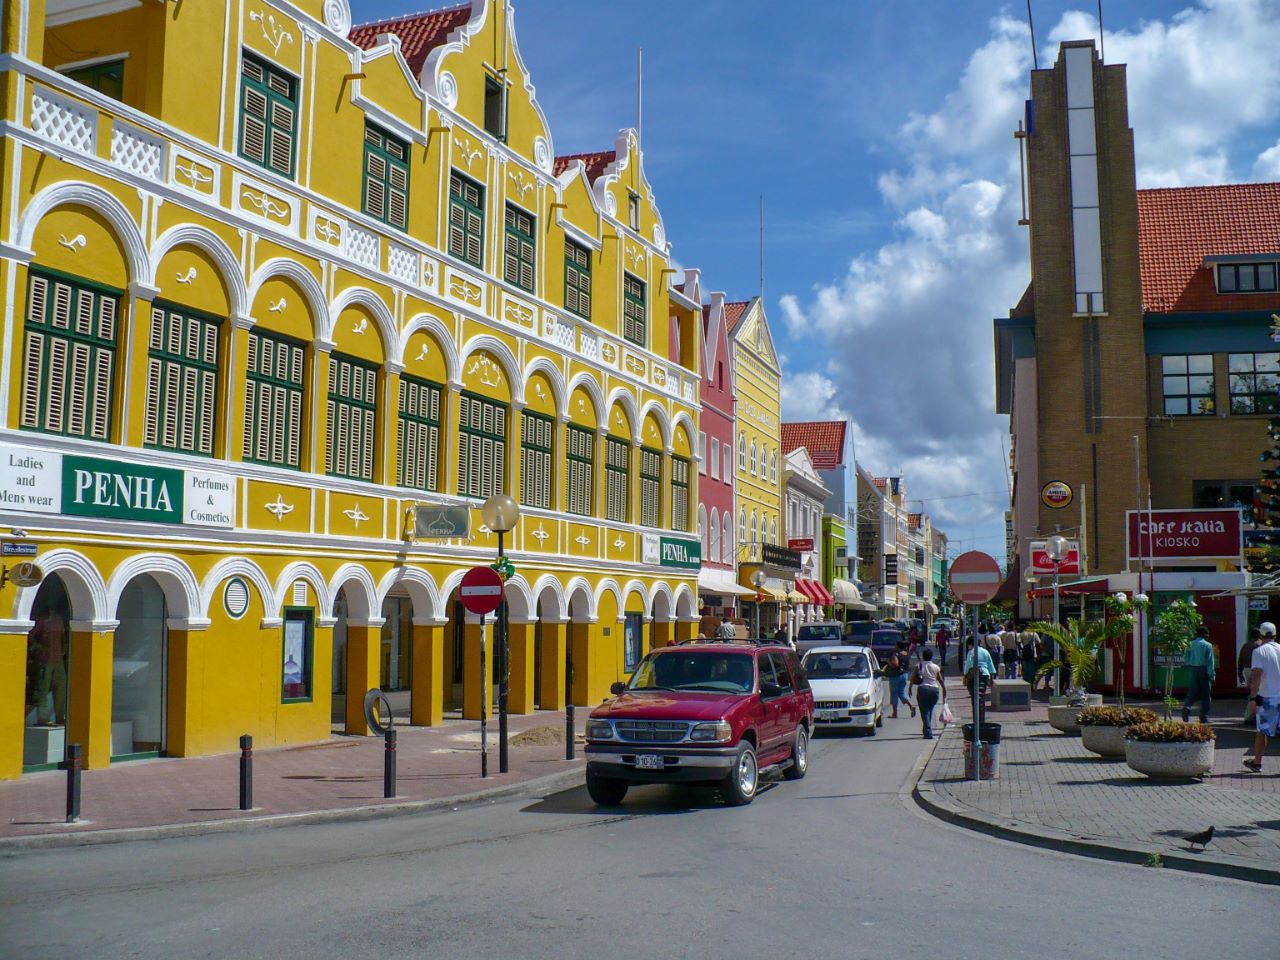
x=726, y=542
x=755, y=528
x=714, y=534
x=742, y=451
x=773, y=467
x=792, y=526
x=702, y=527
x=754, y=459
x=742, y=525
x=773, y=530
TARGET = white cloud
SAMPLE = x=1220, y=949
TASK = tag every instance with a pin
x=905, y=333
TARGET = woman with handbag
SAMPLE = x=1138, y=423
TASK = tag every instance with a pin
x=930, y=688
x=895, y=671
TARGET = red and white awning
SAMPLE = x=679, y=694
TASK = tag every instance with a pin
x=815, y=591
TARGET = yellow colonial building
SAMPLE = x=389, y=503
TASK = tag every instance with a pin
x=757, y=378
x=284, y=301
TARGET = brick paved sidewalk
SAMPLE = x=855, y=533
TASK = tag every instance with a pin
x=1053, y=791
x=434, y=764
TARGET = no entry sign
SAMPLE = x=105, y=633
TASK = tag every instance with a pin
x=481, y=590
x=974, y=577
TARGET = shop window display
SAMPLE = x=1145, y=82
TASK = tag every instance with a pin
x=138, y=672
x=48, y=662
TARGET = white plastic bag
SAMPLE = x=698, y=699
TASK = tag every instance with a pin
x=947, y=716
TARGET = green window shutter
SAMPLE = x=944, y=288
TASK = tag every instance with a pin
x=482, y=447
x=419, y=433
x=536, y=447
x=69, y=357
x=679, y=493
x=182, y=377
x=580, y=458
x=633, y=312
x=386, y=178
x=617, y=472
x=352, y=408
x=518, y=261
x=650, y=487
x=106, y=78
x=268, y=115
x=466, y=219
x=273, y=401
x=577, y=279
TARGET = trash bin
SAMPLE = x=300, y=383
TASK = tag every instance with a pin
x=990, y=750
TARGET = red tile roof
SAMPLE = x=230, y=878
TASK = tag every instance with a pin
x=882, y=483
x=1179, y=226
x=734, y=311
x=419, y=33
x=824, y=439
x=594, y=162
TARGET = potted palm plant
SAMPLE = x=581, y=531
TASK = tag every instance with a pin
x=1077, y=653
x=1102, y=729
x=1168, y=748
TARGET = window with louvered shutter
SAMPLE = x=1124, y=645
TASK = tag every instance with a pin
x=577, y=279
x=182, y=378
x=633, y=327
x=482, y=447
x=536, y=444
x=617, y=477
x=419, y=434
x=680, y=496
x=273, y=401
x=352, y=409
x=68, y=360
x=518, y=249
x=650, y=487
x=268, y=115
x=386, y=178
x=580, y=458
x=466, y=219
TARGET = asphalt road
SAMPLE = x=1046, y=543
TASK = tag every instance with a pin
x=838, y=865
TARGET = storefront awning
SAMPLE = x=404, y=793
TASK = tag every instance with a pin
x=1098, y=585
x=713, y=581
x=843, y=591
x=815, y=591
x=931, y=607
x=795, y=596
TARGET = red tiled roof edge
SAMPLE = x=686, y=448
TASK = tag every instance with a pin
x=824, y=439
x=596, y=163
x=419, y=33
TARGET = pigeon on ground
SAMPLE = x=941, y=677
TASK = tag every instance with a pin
x=1202, y=838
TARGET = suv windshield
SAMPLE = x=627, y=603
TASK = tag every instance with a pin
x=715, y=672
x=837, y=666
x=825, y=631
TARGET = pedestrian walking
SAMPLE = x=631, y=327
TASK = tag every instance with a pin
x=1244, y=663
x=1199, y=661
x=944, y=639
x=1029, y=654
x=1009, y=651
x=895, y=671
x=930, y=688
x=1264, y=693
x=986, y=670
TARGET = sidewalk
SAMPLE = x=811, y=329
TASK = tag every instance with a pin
x=1052, y=792
x=340, y=778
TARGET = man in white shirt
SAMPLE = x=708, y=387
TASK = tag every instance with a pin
x=1264, y=693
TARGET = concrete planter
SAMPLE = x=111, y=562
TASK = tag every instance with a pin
x=1178, y=760
x=1063, y=714
x=1104, y=741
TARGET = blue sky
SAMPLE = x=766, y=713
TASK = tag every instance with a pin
x=879, y=134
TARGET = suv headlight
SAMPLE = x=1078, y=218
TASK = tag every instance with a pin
x=721, y=731
x=599, y=730
x=862, y=699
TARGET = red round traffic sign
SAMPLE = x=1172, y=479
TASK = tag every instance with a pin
x=974, y=577
x=481, y=590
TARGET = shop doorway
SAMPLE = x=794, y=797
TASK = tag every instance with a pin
x=338, y=702
x=139, y=672
x=396, y=654
x=47, y=690
x=537, y=665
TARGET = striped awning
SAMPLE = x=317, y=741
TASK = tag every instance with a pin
x=815, y=591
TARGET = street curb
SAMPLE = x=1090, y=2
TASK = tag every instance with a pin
x=932, y=802
x=48, y=841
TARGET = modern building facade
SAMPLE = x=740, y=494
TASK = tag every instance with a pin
x=272, y=282
x=1137, y=370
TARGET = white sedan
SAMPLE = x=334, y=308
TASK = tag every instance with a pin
x=847, y=691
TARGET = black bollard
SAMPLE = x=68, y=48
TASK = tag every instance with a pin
x=246, y=772
x=569, y=732
x=73, y=782
x=389, y=765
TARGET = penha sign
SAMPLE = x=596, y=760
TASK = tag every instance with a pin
x=1193, y=535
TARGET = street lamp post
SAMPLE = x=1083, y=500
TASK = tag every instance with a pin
x=501, y=513
x=757, y=579
x=1056, y=549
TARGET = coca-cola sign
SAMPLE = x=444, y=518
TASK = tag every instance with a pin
x=1185, y=534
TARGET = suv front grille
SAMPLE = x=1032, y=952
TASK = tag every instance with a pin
x=651, y=731
x=831, y=704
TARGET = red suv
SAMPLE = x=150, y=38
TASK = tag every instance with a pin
x=716, y=712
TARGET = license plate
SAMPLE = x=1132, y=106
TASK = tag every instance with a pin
x=828, y=714
x=648, y=761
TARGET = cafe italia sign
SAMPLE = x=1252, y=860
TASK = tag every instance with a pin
x=73, y=485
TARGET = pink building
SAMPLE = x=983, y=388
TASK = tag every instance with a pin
x=717, y=582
